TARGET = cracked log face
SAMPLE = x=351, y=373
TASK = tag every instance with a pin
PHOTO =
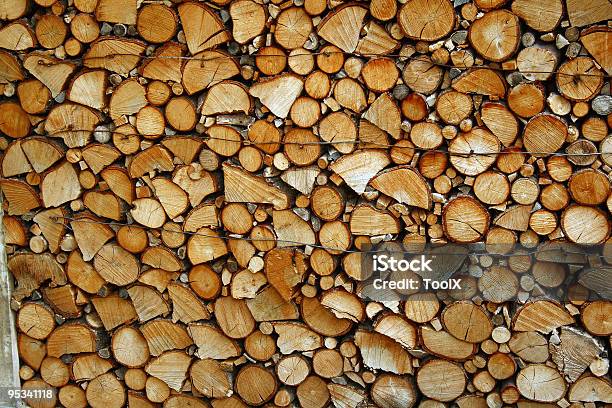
x=188, y=187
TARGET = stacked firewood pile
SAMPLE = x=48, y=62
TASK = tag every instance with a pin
x=188, y=185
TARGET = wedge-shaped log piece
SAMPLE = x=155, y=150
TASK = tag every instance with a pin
x=385, y=114
x=480, y=81
x=500, y=121
x=42, y=153
x=574, y=353
x=148, y=212
x=301, y=178
x=205, y=245
x=349, y=94
x=14, y=120
x=444, y=345
x=397, y=328
x=343, y=26
x=114, y=310
x=62, y=300
x=14, y=161
x=246, y=284
x=203, y=29
x=17, y=36
x=208, y=68
x=162, y=258
x=204, y=215
x=294, y=336
x=346, y=395
x=52, y=225
x=542, y=316
x=127, y=99
x=90, y=234
x=60, y=185
x=116, y=11
x=155, y=158
x=380, y=352
x=20, y=196
x=147, y=302
x=72, y=338
x=584, y=13
x=10, y=69
x=73, y=123
x=285, y=269
x=187, y=307
x=98, y=156
x=279, y=93
x=405, y=185
x=166, y=63
x=14, y=231
x=543, y=16
x=291, y=230
x=31, y=351
x=208, y=377
x=83, y=274
x=88, y=88
x=195, y=181
x=234, y=317
x=89, y=366
x=591, y=389
x=172, y=197
x=212, y=343
x=269, y=305
x=100, y=51
x=376, y=41
x=515, y=218
x=243, y=187
x=158, y=278
x=358, y=168
x=119, y=182
x=163, y=335
x=343, y=304
x=185, y=148
x=323, y=320
x=226, y=97
x=170, y=367
x=50, y=71
x=598, y=42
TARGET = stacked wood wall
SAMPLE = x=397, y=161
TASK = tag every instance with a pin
x=187, y=186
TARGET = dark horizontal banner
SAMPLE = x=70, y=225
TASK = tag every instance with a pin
x=497, y=273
